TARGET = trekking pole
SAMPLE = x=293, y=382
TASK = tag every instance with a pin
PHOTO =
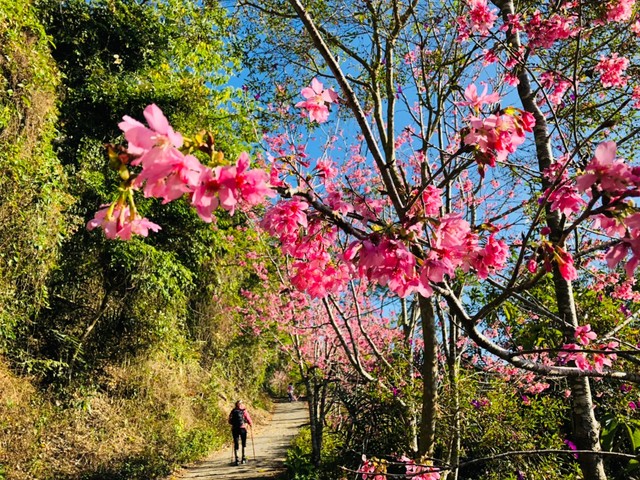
x=253, y=446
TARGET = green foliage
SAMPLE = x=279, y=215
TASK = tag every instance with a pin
x=498, y=419
x=32, y=187
x=299, y=464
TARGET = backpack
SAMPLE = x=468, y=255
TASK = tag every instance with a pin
x=237, y=418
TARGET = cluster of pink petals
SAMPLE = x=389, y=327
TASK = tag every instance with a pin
x=429, y=203
x=491, y=258
x=565, y=264
x=544, y=32
x=584, y=334
x=314, y=270
x=168, y=174
x=387, y=262
x=453, y=245
x=635, y=96
x=370, y=471
x=118, y=222
x=611, y=176
x=284, y=221
x=566, y=199
x=496, y=136
x=555, y=85
x=319, y=276
x=611, y=70
x=317, y=101
x=480, y=19
x=419, y=472
x=606, y=173
x=476, y=101
x=620, y=10
x=571, y=353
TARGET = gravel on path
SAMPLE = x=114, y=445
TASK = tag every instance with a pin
x=270, y=444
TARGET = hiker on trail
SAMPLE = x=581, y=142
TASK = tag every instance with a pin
x=292, y=397
x=238, y=419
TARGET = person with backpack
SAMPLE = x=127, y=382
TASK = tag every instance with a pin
x=290, y=394
x=238, y=419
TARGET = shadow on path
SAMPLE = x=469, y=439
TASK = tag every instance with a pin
x=270, y=444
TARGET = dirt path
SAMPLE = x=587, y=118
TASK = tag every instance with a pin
x=270, y=443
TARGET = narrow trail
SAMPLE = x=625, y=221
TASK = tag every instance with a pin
x=271, y=443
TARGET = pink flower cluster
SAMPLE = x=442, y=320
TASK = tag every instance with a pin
x=373, y=469
x=620, y=10
x=611, y=70
x=167, y=173
x=317, y=101
x=496, y=136
x=453, y=245
x=120, y=222
x=308, y=242
x=611, y=178
x=480, y=19
x=475, y=101
x=419, y=472
x=598, y=361
x=555, y=85
x=583, y=335
x=543, y=33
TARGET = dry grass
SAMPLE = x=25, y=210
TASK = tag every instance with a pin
x=147, y=410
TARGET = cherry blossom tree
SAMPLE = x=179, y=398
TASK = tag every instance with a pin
x=395, y=173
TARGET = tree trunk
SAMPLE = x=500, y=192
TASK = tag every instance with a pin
x=429, y=379
x=586, y=429
x=312, y=403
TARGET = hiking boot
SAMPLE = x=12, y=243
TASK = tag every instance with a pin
x=244, y=460
x=237, y=462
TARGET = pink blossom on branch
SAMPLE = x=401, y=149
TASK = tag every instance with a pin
x=584, y=335
x=317, y=101
x=482, y=18
x=476, y=101
x=611, y=70
x=565, y=264
x=153, y=143
x=619, y=10
x=167, y=173
x=605, y=171
x=118, y=222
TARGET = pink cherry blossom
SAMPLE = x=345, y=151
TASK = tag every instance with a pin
x=317, y=100
x=170, y=179
x=565, y=264
x=476, y=101
x=216, y=188
x=118, y=222
x=252, y=184
x=490, y=258
x=482, y=18
x=611, y=70
x=619, y=10
x=544, y=32
x=285, y=219
x=153, y=143
x=605, y=171
x=566, y=199
x=584, y=335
